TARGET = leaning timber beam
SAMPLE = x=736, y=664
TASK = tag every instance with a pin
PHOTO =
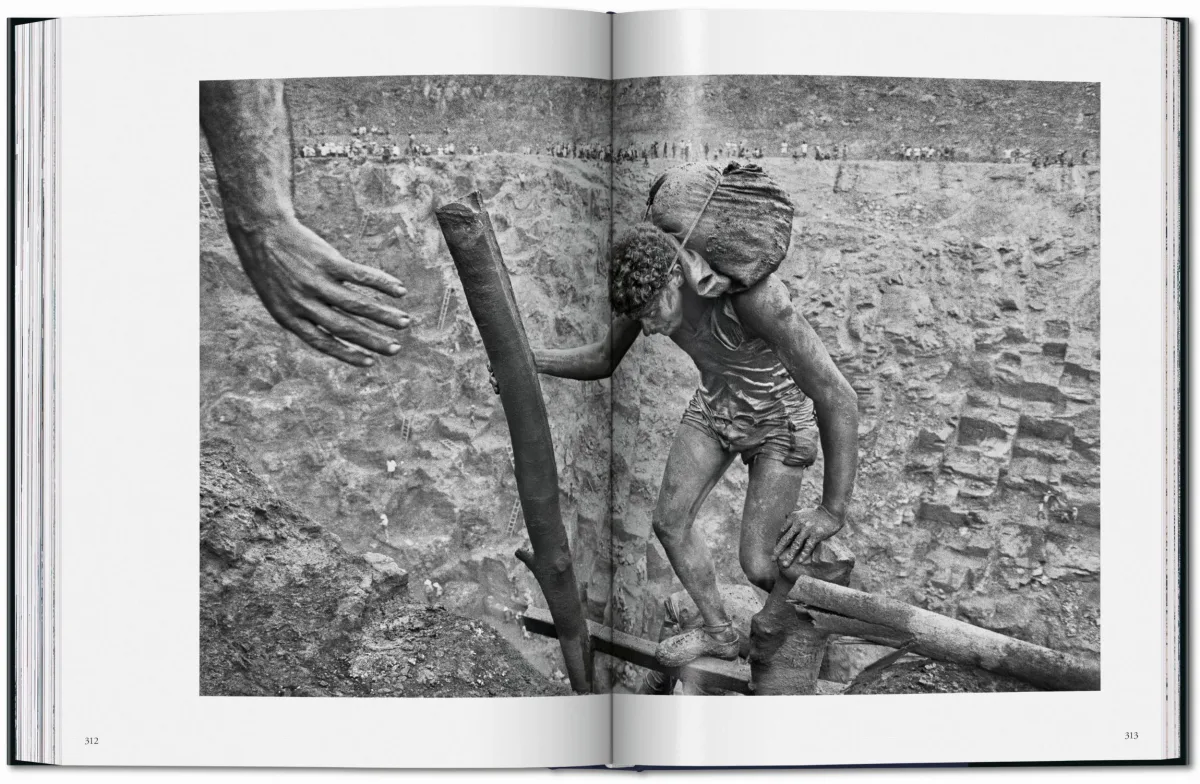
x=472, y=242
x=939, y=637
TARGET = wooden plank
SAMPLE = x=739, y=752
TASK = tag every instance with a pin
x=705, y=672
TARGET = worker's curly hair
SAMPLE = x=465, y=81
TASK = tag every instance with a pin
x=641, y=261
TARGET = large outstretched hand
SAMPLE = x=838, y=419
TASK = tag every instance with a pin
x=802, y=533
x=302, y=279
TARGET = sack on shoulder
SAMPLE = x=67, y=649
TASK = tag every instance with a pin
x=740, y=220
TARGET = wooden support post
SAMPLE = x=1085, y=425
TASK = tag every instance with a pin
x=786, y=649
x=488, y=291
x=940, y=637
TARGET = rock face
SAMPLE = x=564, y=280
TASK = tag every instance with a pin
x=964, y=310
x=960, y=299
x=321, y=432
x=286, y=611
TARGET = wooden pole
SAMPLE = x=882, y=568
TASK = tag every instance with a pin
x=472, y=243
x=786, y=649
x=940, y=637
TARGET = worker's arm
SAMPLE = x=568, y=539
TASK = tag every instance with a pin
x=299, y=277
x=593, y=361
x=767, y=310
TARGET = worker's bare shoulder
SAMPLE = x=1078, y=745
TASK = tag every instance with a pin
x=766, y=306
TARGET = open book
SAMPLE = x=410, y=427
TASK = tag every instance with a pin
x=626, y=390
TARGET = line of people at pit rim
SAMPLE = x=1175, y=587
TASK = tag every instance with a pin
x=359, y=148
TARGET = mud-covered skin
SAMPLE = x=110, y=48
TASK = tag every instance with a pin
x=767, y=339
x=299, y=276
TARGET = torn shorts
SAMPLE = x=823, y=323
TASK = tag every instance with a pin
x=792, y=439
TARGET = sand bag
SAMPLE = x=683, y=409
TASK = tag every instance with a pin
x=740, y=220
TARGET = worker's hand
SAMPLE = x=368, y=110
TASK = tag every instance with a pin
x=302, y=279
x=492, y=379
x=802, y=532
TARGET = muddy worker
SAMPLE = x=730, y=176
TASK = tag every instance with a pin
x=391, y=468
x=383, y=525
x=428, y=591
x=302, y=280
x=769, y=393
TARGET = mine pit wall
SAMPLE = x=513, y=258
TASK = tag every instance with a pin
x=961, y=300
x=320, y=432
x=962, y=303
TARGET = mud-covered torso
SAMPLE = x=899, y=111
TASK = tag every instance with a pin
x=743, y=384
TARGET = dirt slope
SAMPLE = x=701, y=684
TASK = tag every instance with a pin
x=285, y=610
x=962, y=301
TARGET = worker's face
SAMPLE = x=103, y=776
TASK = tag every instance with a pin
x=663, y=314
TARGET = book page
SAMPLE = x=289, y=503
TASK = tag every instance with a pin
x=930, y=206
x=358, y=509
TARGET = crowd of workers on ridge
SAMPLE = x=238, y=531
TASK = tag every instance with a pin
x=373, y=142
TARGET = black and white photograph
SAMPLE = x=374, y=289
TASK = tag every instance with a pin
x=739, y=385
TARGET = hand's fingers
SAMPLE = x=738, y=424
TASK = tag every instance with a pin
x=797, y=544
x=785, y=538
x=327, y=344
x=350, y=330
x=809, y=547
x=369, y=276
x=344, y=299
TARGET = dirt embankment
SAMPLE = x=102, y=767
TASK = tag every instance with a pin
x=961, y=300
x=321, y=432
x=872, y=117
x=285, y=610
x=962, y=303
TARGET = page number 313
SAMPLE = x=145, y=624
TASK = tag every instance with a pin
x=1130, y=736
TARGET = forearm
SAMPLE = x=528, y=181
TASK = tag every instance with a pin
x=585, y=363
x=837, y=418
x=246, y=123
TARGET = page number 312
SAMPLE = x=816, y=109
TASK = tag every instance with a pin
x=91, y=741
x=1130, y=736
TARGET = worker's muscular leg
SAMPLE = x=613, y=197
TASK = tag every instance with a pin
x=771, y=496
x=695, y=464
